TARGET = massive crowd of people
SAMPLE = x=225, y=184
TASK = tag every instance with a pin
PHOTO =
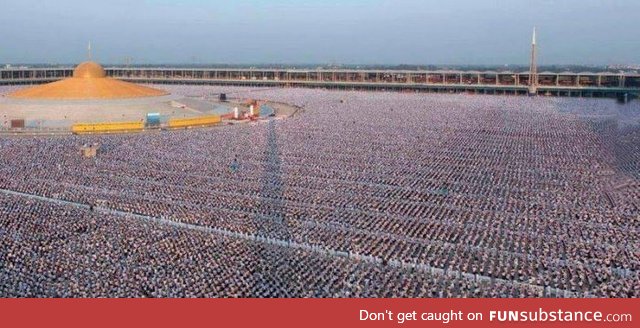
x=359, y=195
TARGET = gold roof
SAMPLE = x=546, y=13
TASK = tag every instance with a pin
x=89, y=81
x=89, y=70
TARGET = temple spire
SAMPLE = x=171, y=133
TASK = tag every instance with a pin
x=533, y=68
x=533, y=42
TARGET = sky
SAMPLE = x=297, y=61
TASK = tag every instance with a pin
x=368, y=32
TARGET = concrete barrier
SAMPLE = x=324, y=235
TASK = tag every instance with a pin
x=81, y=128
x=196, y=121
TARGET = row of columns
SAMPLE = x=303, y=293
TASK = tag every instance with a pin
x=335, y=76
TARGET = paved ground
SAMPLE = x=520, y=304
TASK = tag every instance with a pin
x=63, y=114
x=205, y=106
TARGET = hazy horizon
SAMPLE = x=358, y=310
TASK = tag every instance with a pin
x=349, y=32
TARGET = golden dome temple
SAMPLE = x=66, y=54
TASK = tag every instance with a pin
x=89, y=70
x=89, y=81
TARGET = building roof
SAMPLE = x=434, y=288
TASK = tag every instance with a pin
x=89, y=81
x=89, y=70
